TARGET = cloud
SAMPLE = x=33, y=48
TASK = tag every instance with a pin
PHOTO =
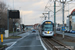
x=23, y=1
x=31, y=10
x=26, y=0
x=25, y=12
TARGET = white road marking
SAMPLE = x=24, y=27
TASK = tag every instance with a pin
x=28, y=46
x=10, y=46
x=8, y=43
x=43, y=43
x=23, y=46
x=37, y=38
x=16, y=42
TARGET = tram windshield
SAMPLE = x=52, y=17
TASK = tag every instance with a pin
x=48, y=27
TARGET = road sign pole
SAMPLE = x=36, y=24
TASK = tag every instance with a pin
x=8, y=20
x=13, y=26
x=63, y=17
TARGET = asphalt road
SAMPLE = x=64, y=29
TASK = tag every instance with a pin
x=30, y=42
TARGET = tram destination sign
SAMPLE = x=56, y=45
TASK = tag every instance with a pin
x=47, y=22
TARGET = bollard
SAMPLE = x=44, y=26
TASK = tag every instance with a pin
x=2, y=39
x=6, y=33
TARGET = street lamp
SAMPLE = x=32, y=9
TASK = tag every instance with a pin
x=63, y=2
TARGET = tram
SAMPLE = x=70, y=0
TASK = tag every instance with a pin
x=47, y=28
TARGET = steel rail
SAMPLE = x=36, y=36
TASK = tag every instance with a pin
x=52, y=45
x=47, y=42
x=61, y=44
x=48, y=47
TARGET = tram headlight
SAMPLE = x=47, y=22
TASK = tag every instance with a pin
x=45, y=32
x=50, y=32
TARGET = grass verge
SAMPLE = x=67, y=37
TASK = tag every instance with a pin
x=13, y=37
x=12, y=31
x=1, y=46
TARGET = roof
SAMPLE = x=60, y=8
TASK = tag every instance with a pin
x=45, y=21
x=28, y=25
x=72, y=11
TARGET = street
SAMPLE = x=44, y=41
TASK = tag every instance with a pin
x=30, y=42
x=37, y=24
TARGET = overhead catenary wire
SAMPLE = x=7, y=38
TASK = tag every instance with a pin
x=49, y=1
x=46, y=4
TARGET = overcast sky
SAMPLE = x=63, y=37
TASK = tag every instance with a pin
x=31, y=10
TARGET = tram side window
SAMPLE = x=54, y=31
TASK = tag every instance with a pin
x=48, y=27
x=42, y=28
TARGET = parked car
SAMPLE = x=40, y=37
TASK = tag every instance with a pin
x=68, y=32
x=65, y=31
x=33, y=30
x=72, y=31
x=58, y=29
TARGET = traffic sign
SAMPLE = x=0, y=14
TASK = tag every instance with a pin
x=14, y=14
x=17, y=24
x=63, y=28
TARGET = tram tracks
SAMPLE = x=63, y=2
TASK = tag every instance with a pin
x=55, y=44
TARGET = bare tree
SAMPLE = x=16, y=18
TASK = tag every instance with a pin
x=3, y=17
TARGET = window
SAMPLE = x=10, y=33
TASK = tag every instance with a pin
x=48, y=27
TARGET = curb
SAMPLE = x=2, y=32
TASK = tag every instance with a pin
x=3, y=48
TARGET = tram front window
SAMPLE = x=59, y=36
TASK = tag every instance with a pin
x=48, y=27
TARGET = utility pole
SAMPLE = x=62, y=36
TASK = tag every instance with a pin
x=54, y=17
x=41, y=18
x=63, y=2
x=44, y=15
x=13, y=19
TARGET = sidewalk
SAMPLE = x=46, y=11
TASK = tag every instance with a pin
x=15, y=34
x=11, y=34
x=9, y=42
x=68, y=34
